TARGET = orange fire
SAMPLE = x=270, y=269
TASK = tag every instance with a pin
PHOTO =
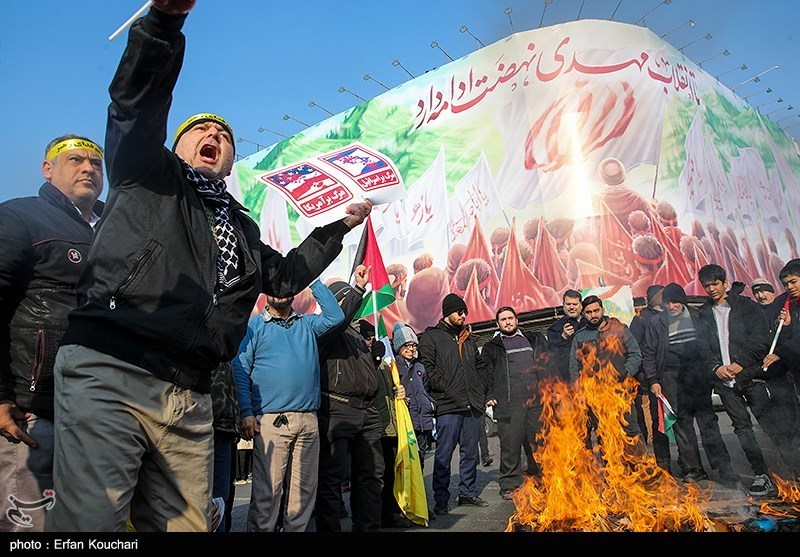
x=789, y=499
x=617, y=486
x=788, y=490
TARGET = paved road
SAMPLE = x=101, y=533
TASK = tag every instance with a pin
x=495, y=517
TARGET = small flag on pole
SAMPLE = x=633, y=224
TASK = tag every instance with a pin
x=369, y=254
x=666, y=418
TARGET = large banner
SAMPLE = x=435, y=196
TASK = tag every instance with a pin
x=604, y=155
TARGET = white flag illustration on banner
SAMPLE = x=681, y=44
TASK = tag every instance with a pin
x=785, y=184
x=426, y=206
x=707, y=196
x=760, y=186
x=390, y=218
x=717, y=182
x=742, y=172
x=475, y=196
x=518, y=183
x=274, y=223
x=694, y=176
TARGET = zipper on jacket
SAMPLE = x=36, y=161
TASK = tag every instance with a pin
x=38, y=360
x=138, y=264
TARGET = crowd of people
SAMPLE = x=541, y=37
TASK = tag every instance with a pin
x=132, y=364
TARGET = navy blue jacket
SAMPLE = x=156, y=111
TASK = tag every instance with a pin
x=421, y=405
x=45, y=250
x=496, y=358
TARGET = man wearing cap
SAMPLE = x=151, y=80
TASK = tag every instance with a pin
x=458, y=381
x=349, y=422
x=173, y=275
x=516, y=362
x=763, y=292
x=46, y=243
x=674, y=370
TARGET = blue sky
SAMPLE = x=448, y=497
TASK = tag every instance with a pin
x=255, y=61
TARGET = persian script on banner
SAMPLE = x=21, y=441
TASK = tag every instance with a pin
x=321, y=187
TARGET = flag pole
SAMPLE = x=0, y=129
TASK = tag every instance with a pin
x=131, y=19
x=777, y=332
x=374, y=310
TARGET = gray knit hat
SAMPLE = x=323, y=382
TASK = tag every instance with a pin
x=403, y=334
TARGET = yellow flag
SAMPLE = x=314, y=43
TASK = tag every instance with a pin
x=409, y=486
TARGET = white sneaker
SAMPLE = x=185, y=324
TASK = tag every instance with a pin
x=763, y=487
x=217, y=512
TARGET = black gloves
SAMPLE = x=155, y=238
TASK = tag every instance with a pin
x=378, y=351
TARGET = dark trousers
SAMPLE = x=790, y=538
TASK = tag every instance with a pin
x=462, y=429
x=424, y=441
x=483, y=440
x=735, y=406
x=517, y=432
x=630, y=425
x=389, y=504
x=347, y=430
x=690, y=398
x=775, y=406
x=244, y=464
x=224, y=447
x=231, y=498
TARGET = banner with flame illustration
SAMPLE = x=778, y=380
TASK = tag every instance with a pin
x=616, y=160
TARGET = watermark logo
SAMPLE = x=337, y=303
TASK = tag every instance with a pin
x=16, y=512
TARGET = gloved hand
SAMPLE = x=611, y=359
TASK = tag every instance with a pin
x=378, y=351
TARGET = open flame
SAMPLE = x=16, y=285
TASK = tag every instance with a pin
x=788, y=505
x=617, y=486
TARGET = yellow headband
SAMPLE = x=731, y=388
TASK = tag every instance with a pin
x=74, y=143
x=196, y=119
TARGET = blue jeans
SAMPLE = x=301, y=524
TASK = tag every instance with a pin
x=462, y=429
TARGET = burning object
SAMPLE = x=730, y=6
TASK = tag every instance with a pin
x=612, y=486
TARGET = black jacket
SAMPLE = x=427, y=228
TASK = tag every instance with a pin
x=45, y=249
x=496, y=360
x=558, y=347
x=150, y=295
x=748, y=339
x=655, y=346
x=457, y=382
x=788, y=345
x=639, y=323
x=637, y=327
x=345, y=361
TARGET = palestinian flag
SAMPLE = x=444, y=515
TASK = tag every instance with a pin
x=368, y=253
x=666, y=418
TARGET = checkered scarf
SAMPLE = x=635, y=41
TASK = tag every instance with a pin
x=215, y=197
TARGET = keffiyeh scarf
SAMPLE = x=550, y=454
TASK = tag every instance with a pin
x=214, y=196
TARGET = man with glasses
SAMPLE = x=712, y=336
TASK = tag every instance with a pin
x=458, y=381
